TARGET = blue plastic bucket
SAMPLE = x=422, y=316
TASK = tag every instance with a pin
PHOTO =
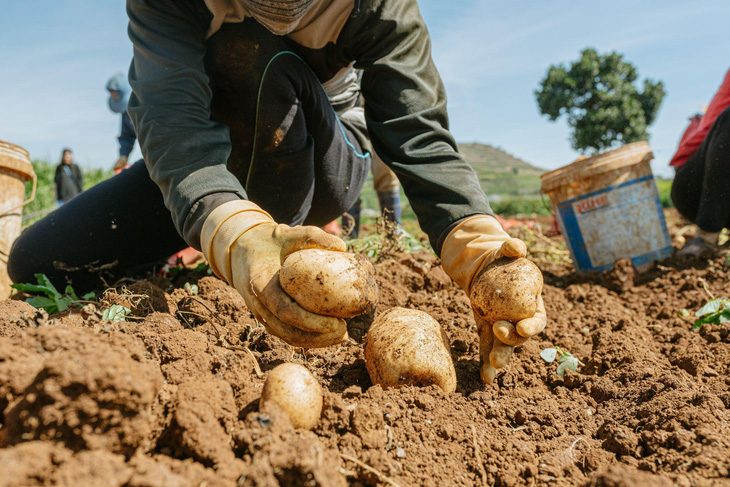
x=608, y=208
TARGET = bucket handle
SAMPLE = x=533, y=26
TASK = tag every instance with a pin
x=32, y=197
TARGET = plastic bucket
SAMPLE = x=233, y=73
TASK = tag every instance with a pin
x=608, y=208
x=15, y=170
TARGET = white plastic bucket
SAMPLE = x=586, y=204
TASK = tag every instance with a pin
x=608, y=208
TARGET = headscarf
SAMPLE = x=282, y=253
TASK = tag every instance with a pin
x=280, y=17
x=119, y=83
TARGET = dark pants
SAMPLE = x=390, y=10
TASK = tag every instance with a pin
x=303, y=168
x=701, y=188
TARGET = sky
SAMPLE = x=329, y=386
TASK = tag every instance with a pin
x=56, y=56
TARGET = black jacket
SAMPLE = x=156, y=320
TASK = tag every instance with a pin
x=68, y=183
x=186, y=151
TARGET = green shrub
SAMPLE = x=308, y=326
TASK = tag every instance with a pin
x=665, y=192
x=44, y=198
x=519, y=206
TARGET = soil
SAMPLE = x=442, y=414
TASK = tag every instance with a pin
x=170, y=397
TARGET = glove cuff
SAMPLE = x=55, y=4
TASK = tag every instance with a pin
x=469, y=245
x=223, y=227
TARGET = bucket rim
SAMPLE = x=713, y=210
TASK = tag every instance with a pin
x=15, y=158
x=627, y=155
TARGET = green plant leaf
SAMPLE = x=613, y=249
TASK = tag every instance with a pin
x=683, y=313
x=34, y=289
x=567, y=363
x=48, y=304
x=69, y=291
x=724, y=317
x=710, y=318
x=712, y=307
x=62, y=303
x=115, y=312
x=46, y=283
x=549, y=354
x=88, y=296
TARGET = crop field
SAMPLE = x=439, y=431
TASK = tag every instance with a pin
x=169, y=394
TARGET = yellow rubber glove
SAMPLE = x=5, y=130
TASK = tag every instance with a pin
x=246, y=247
x=472, y=245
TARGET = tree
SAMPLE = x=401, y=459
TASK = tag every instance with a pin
x=602, y=103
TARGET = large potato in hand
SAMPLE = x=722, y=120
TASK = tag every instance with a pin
x=330, y=283
x=406, y=346
x=507, y=289
x=295, y=390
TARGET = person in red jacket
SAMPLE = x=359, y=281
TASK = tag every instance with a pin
x=701, y=188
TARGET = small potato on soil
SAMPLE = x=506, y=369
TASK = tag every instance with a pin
x=295, y=390
x=330, y=283
x=406, y=346
x=506, y=289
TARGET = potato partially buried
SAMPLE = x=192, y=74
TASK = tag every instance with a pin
x=330, y=283
x=295, y=390
x=507, y=289
x=406, y=346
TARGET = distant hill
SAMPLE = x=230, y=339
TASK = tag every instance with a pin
x=501, y=173
x=503, y=177
x=486, y=158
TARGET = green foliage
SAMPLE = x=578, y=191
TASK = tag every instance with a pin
x=115, y=312
x=519, y=206
x=716, y=311
x=664, y=186
x=47, y=296
x=46, y=172
x=566, y=360
x=191, y=288
x=388, y=238
x=598, y=93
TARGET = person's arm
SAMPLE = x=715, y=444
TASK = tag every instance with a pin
x=405, y=109
x=185, y=151
x=128, y=137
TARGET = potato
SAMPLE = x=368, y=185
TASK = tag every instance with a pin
x=330, y=283
x=506, y=289
x=406, y=346
x=295, y=390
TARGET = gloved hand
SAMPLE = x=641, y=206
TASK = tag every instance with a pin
x=472, y=245
x=121, y=163
x=246, y=247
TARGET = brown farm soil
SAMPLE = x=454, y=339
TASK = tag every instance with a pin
x=170, y=397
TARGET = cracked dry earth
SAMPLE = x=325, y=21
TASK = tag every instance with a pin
x=170, y=397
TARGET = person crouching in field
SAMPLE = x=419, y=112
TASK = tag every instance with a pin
x=249, y=119
x=701, y=188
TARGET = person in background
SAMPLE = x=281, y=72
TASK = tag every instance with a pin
x=68, y=181
x=701, y=188
x=119, y=91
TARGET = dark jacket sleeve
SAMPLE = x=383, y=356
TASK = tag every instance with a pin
x=185, y=151
x=128, y=137
x=405, y=110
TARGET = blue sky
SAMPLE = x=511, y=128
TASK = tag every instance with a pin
x=56, y=57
